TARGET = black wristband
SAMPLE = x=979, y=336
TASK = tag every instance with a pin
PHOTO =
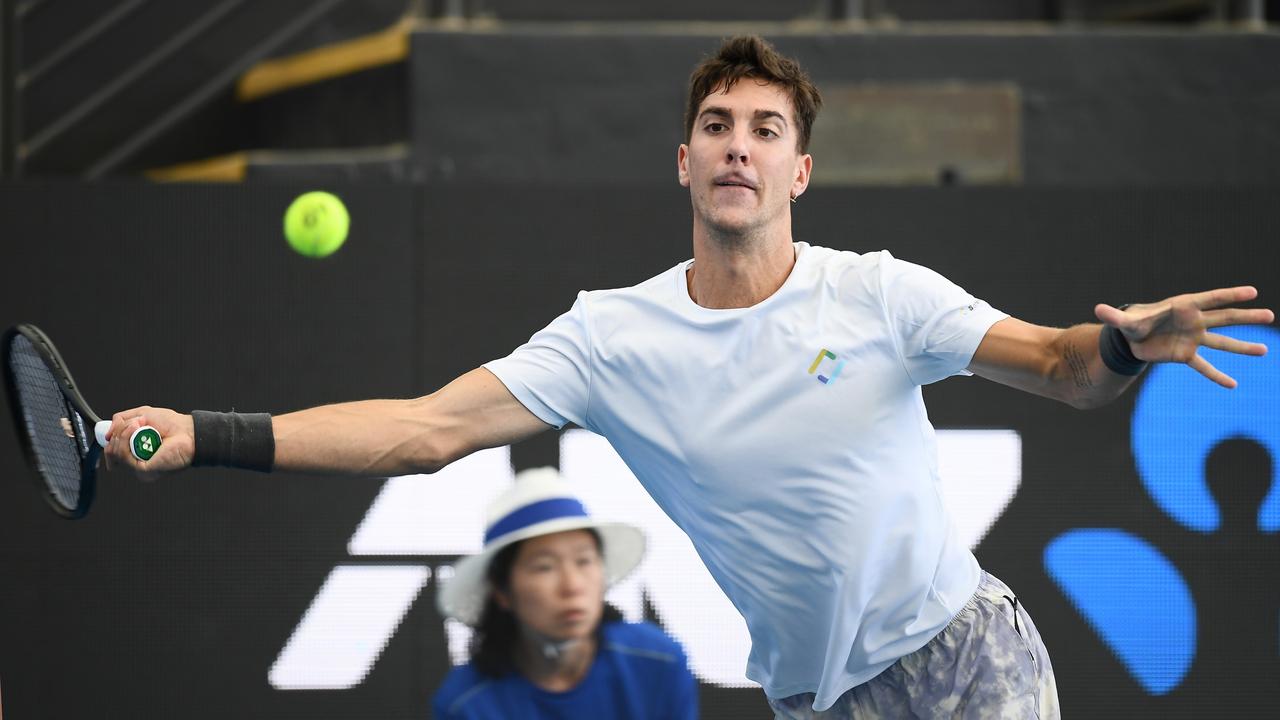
x=239, y=440
x=1116, y=353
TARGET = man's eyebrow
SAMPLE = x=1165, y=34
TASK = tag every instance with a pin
x=759, y=114
x=717, y=111
x=763, y=114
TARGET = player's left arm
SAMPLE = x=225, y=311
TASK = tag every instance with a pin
x=1067, y=365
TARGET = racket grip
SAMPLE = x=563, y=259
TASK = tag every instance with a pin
x=143, y=443
x=100, y=431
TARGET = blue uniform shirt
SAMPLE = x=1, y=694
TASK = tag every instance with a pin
x=639, y=674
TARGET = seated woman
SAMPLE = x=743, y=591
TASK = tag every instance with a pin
x=546, y=644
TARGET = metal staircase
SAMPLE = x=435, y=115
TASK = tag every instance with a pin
x=100, y=89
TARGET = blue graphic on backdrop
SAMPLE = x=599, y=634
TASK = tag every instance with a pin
x=1134, y=597
x=1128, y=591
x=1180, y=416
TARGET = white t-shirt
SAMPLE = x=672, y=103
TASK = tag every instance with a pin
x=789, y=440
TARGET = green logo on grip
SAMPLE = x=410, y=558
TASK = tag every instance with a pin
x=145, y=443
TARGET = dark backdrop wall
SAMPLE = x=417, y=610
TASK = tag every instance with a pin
x=173, y=599
x=603, y=103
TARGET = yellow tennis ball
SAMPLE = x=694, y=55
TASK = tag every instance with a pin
x=316, y=224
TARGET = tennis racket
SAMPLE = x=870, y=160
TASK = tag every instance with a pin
x=60, y=434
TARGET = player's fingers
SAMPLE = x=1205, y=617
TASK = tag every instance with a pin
x=118, y=447
x=113, y=436
x=1111, y=315
x=126, y=432
x=1205, y=368
x=121, y=419
x=1232, y=345
x=1223, y=296
x=1238, y=316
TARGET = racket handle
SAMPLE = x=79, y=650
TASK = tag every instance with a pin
x=143, y=443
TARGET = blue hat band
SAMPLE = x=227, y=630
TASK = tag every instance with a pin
x=534, y=513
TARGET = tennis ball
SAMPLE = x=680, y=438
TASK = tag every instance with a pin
x=316, y=224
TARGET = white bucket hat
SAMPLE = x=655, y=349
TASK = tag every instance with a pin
x=538, y=503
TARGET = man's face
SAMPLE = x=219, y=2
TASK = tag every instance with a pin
x=742, y=164
x=557, y=585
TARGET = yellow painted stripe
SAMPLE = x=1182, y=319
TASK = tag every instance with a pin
x=224, y=168
x=823, y=353
x=351, y=56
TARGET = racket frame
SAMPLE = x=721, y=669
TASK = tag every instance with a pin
x=53, y=361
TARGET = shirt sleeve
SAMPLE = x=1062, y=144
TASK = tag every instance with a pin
x=936, y=324
x=551, y=374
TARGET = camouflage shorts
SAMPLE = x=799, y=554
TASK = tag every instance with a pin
x=989, y=662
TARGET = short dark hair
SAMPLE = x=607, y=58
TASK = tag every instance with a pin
x=751, y=56
x=497, y=636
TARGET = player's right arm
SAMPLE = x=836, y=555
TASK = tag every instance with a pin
x=370, y=438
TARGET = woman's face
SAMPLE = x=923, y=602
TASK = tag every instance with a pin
x=557, y=585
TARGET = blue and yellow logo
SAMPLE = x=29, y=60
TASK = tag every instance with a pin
x=825, y=354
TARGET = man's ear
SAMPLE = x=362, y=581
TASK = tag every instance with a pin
x=682, y=165
x=804, y=170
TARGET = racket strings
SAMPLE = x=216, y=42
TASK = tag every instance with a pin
x=56, y=431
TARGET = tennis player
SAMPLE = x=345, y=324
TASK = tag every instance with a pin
x=767, y=395
x=547, y=645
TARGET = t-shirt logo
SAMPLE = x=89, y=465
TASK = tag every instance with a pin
x=825, y=354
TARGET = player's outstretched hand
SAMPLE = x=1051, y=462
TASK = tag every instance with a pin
x=1174, y=330
x=177, y=434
